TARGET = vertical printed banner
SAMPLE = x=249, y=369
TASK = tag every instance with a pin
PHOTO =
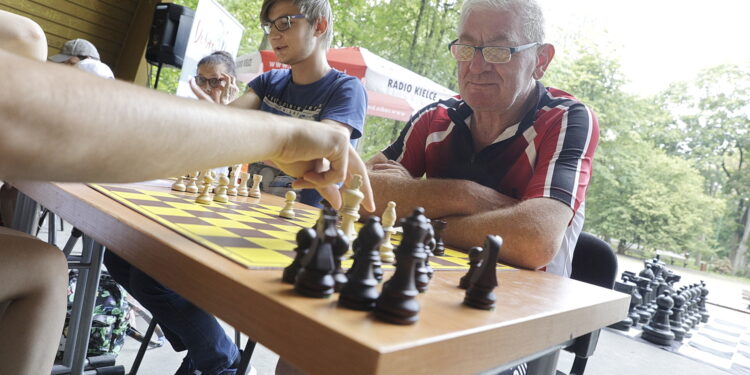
x=214, y=29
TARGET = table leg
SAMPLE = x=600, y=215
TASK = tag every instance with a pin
x=79, y=326
x=25, y=212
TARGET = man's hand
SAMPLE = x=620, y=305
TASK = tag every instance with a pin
x=320, y=156
x=391, y=168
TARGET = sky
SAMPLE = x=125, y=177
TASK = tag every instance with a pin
x=656, y=41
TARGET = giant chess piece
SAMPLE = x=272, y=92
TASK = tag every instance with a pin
x=389, y=220
x=658, y=329
x=627, y=288
x=351, y=198
x=315, y=279
x=475, y=259
x=397, y=302
x=644, y=289
x=702, y=304
x=675, y=319
x=480, y=294
x=360, y=292
x=305, y=238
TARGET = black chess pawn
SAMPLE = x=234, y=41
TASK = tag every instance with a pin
x=702, y=304
x=439, y=226
x=475, y=258
x=397, y=302
x=305, y=238
x=340, y=247
x=675, y=319
x=360, y=291
x=658, y=329
x=481, y=292
x=315, y=279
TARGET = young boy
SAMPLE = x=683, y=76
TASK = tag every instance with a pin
x=300, y=32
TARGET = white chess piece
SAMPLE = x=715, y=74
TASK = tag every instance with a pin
x=255, y=190
x=179, y=185
x=243, y=190
x=351, y=199
x=192, y=186
x=389, y=220
x=288, y=210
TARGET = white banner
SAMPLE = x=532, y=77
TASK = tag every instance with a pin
x=392, y=79
x=214, y=29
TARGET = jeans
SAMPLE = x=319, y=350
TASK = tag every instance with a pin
x=185, y=325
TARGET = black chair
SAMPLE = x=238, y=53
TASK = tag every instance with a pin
x=245, y=354
x=595, y=263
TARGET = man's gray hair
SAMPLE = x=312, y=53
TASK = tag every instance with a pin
x=313, y=10
x=532, y=19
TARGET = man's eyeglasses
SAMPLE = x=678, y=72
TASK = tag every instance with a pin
x=491, y=54
x=282, y=23
x=213, y=82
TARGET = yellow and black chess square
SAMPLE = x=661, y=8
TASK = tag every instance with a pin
x=252, y=234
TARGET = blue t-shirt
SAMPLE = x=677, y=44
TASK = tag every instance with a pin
x=337, y=96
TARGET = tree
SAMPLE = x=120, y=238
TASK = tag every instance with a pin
x=711, y=126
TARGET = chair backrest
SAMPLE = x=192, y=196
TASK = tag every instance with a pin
x=594, y=262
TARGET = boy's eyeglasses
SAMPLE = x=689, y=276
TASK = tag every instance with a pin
x=282, y=23
x=491, y=54
x=213, y=82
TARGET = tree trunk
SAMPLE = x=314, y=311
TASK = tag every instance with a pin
x=414, y=39
x=621, y=246
x=738, y=255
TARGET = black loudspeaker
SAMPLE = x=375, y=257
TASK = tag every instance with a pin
x=170, y=31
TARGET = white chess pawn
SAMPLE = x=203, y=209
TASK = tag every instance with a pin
x=243, y=190
x=288, y=210
x=389, y=220
x=205, y=197
x=221, y=189
x=192, y=186
x=255, y=190
x=179, y=185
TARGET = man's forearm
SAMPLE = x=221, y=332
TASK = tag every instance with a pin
x=532, y=231
x=439, y=197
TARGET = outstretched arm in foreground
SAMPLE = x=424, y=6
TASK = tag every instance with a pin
x=87, y=129
x=22, y=36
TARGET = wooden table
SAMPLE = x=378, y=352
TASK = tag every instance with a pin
x=536, y=311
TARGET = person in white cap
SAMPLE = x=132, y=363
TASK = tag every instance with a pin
x=83, y=54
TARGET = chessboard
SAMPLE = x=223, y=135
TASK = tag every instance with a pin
x=723, y=341
x=251, y=234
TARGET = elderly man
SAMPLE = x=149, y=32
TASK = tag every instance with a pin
x=508, y=156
